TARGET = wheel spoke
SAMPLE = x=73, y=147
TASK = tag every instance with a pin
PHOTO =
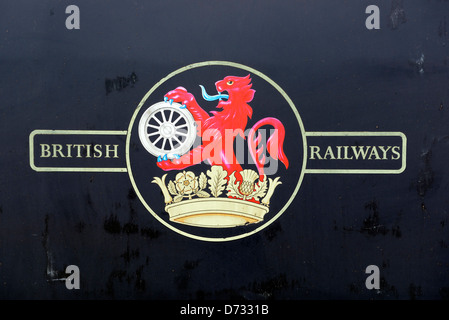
x=152, y=126
x=171, y=144
x=176, y=121
x=163, y=116
x=155, y=118
x=181, y=133
x=153, y=134
x=181, y=126
x=157, y=140
x=170, y=116
x=177, y=140
x=163, y=143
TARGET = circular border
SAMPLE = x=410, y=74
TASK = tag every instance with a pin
x=238, y=66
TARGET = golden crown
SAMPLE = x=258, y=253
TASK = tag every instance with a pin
x=198, y=200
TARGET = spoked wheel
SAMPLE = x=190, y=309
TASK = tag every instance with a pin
x=167, y=130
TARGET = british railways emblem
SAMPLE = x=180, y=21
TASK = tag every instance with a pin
x=217, y=151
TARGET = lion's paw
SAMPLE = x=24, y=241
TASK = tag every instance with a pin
x=179, y=95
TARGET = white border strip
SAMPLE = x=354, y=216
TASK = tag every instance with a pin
x=71, y=132
x=363, y=134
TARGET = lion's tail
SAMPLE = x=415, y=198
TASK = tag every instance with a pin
x=274, y=144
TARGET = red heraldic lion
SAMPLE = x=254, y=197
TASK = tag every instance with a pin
x=219, y=130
